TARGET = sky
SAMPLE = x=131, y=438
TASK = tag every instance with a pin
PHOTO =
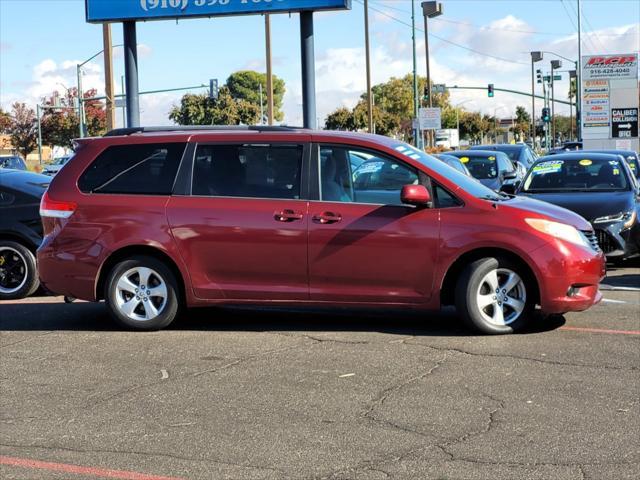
x=474, y=43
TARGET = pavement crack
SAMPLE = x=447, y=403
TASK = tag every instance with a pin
x=32, y=337
x=516, y=357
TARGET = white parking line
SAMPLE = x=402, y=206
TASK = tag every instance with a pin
x=610, y=300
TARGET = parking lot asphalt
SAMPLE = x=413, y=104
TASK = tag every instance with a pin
x=268, y=394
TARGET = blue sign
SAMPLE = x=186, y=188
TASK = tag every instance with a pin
x=121, y=10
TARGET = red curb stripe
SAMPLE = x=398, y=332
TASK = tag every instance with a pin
x=78, y=470
x=600, y=330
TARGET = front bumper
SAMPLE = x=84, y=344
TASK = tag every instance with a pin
x=569, y=284
x=617, y=242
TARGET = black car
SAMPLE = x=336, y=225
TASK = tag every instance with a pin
x=597, y=186
x=517, y=152
x=454, y=162
x=12, y=161
x=20, y=231
x=630, y=156
x=492, y=169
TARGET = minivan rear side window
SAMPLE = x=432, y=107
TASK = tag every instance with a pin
x=253, y=171
x=144, y=169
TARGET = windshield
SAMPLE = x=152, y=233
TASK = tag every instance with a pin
x=466, y=183
x=579, y=174
x=482, y=167
x=60, y=161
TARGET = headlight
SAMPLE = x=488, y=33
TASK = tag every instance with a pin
x=628, y=218
x=559, y=230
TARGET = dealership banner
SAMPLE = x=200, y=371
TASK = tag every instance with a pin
x=609, y=66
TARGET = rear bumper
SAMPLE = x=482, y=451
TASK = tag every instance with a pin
x=570, y=284
x=70, y=271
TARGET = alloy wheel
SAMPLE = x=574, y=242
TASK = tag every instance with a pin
x=501, y=297
x=13, y=270
x=141, y=294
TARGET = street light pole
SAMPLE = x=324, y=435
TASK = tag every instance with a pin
x=579, y=76
x=555, y=64
x=417, y=137
x=368, y=62
x=535, y=57
x=429, y=10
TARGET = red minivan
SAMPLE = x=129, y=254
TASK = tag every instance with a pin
x=155, y=219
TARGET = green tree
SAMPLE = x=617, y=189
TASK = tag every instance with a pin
x=23, y=129
x=5, y=122
x=245, y=85
x=340, y=119
x=225, y=110
x=522, y=123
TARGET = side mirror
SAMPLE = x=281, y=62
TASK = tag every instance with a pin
x=509, y=188
x=415, y=195
x=510, y=175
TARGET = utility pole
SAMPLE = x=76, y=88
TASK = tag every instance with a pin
x=261, y=105
x=108, y=76
x=368, y=62
x=429, y=10
x=417, y=137
x=39, y=134
x=267, y=32
x=579, y=76
x=79, y=94
x=555, y=64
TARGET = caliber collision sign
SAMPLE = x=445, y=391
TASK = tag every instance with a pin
x=624, y=122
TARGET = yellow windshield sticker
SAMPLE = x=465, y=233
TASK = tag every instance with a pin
x=464, y=159
x=492, y=158
x=616, y=171
x=585, y=162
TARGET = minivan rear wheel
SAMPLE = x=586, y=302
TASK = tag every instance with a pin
x=141, y=293
x=494, y=296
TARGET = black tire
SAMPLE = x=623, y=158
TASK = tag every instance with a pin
x=21, y=280
x=115, y=298
x=472, y=283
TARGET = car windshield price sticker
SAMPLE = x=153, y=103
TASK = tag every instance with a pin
x=548, y=167
x=115, y=10
x=624, y=122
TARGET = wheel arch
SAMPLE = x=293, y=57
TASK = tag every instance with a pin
x=135, y=250
x=16, y=237
x=447, y=288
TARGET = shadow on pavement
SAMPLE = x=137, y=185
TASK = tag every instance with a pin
x=93, y=317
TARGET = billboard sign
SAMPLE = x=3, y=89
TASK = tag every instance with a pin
x=129, y=10
x=614, y=67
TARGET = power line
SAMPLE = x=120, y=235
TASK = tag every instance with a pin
x=593, y=30
x=442, y=39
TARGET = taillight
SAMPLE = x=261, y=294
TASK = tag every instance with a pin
x=56, y=209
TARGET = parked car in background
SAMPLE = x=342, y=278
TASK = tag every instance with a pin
x=492, y=168
x=154, y=219
x=565, y=147
x=597, y=186
x=55, y=165
x=14, y=162
x=20, y=231
x=454, y=162
x=632, y=158
x=518, y=152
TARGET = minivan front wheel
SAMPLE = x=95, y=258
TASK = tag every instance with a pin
x=492, y=296
x=141, y=293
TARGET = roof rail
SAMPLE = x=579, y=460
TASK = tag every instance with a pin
x=200, y=128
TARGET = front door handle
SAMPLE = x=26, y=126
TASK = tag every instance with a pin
x=327, y=217
x=287, y=215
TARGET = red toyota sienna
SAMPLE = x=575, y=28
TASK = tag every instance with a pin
x=152, y=220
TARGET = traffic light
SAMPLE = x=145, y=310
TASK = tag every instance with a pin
x=490, y=90
x=213, y=89
x=539, y=75
x=425, y=95
x=546, y=115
